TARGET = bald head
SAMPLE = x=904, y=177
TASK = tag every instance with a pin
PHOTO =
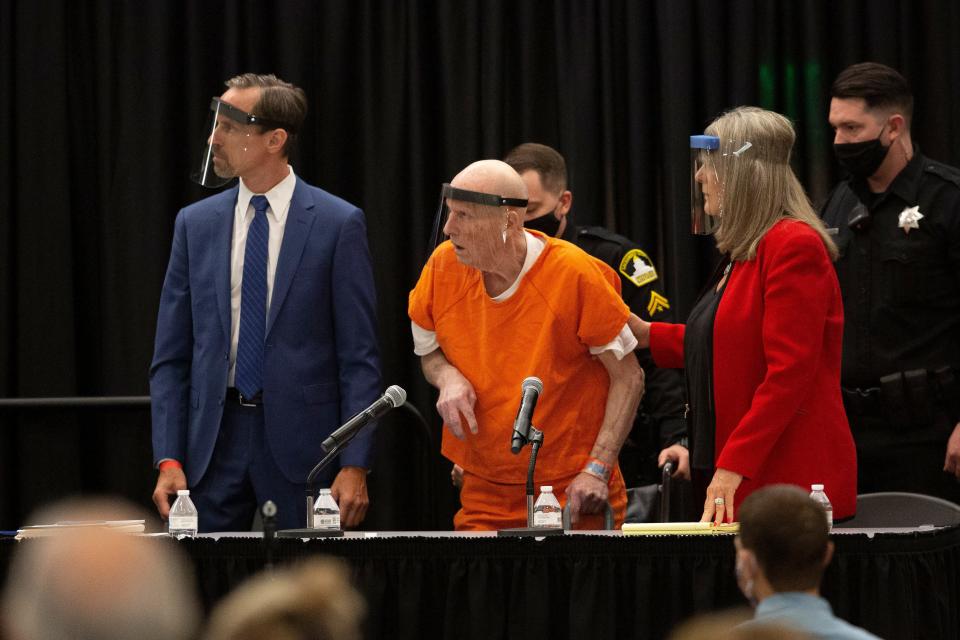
x=491, y=176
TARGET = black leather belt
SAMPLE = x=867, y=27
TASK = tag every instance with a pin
x=234, y=395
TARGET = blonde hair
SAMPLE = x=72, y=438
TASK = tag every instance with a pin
x=310, y=601
x=758, y=185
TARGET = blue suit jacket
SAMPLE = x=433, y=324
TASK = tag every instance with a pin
x=320, y=363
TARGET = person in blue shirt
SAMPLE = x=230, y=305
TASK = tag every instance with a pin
x=783, y=549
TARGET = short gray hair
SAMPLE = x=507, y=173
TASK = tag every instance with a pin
x=93, y=584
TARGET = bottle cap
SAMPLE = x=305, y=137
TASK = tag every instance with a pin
x=324, y=492
x=817, y=487
x=547, y=488
x=183, y=492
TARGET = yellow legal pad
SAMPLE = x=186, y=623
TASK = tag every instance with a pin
x=678, y=528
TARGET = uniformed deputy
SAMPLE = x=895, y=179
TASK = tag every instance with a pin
x=660, y=422
x=897, y=220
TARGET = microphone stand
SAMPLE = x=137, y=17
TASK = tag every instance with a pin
x=309, y=531
x=535, y=438
x=269, y=514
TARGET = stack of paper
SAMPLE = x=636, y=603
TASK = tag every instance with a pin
x=114, y=526
x=678, y=528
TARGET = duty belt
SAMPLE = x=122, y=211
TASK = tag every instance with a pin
x=908, y=398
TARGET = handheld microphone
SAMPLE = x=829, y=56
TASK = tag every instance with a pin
x=531, y=387
x=393, y=397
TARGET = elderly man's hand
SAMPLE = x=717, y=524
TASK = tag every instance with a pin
x=457, y=399
x=952, y=462
x=456, y=476
x=586, y=494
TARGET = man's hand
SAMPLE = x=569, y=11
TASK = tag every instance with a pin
x=722, y=487
x=951, y=463
x=680, y=456
x=349, y=490
x=456, y=476
x=457, y=398
x=170, y=480
x=586, y=494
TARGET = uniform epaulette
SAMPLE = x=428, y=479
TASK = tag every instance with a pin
x=944, y=171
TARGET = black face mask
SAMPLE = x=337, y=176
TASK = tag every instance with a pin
x=548, y=224
x=861, y=159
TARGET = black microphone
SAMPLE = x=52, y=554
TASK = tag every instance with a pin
x=532, y=387
x=393, y=397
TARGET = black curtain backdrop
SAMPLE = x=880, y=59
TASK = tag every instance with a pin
x=101, y=105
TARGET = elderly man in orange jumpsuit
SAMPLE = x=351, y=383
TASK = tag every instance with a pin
x=497, y=303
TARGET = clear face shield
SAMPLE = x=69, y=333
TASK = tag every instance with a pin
x=475, y=223
x=709, y=157
x=225, y=142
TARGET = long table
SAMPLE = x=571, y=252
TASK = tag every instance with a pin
x=898, y=584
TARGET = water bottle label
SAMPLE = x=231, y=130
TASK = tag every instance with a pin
x=547, y=519
x=326, y=521
x=183, y=523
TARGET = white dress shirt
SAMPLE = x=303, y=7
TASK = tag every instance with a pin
x=279, y=198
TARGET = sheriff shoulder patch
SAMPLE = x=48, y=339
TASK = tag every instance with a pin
x=637, y=267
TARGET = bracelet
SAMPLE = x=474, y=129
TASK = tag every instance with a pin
x=598, y=469
x=169, y=464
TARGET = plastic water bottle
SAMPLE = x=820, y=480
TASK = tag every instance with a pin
x=326, y=513
x=183, y=516
x=819, y=496
x=546, y=510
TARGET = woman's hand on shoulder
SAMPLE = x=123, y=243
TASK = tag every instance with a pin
x=640, y=329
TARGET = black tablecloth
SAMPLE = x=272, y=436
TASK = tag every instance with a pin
x=596, y=587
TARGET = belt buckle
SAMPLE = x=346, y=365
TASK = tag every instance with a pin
x=244, y=403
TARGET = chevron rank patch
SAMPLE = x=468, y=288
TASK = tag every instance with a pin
x=657, y=304
x=637, y=267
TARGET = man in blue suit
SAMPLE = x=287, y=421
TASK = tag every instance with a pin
x=266, y=334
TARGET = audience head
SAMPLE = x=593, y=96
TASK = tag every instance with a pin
x=311, y=601
x=94, y=584
x=544, y=172
x=783, y=544
x=749, y=182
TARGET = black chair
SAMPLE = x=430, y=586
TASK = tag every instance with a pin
x=400, y=486
x=898, y=509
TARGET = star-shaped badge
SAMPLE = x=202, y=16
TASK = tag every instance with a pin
x=910, y=219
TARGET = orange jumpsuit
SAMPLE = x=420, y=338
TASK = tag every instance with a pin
x=565, y=304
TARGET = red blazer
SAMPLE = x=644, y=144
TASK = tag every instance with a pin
x=776, y=369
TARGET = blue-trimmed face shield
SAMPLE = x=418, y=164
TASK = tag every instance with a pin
x=710, y=160
x=703, y=152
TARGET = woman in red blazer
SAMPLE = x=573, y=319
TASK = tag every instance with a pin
x=761, y=348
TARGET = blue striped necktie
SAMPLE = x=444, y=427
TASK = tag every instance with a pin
x=253, y=303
